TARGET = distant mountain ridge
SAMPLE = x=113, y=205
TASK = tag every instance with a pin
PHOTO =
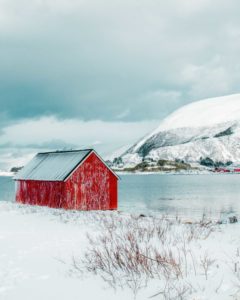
x=206, y=128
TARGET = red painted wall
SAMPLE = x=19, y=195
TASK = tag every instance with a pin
x=45, y=193
x=92, y=186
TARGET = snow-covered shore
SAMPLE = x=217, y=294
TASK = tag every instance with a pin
x=38, y=245
x=5, y=173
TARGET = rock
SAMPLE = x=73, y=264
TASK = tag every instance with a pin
x=233, y=219
x=188, y=222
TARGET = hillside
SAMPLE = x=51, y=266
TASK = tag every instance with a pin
x=208, y=128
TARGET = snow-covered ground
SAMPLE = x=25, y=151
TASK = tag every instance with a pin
x=37, y=247
x=33, y=241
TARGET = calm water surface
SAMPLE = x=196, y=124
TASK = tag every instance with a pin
x=188, y=195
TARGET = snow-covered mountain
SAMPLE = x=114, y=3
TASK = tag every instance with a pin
x=207, y=128
x=117, y=153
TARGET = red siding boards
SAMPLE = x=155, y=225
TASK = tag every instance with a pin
x=91, y=186
x=45, y=193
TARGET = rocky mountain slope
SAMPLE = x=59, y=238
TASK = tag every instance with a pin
x=207, y=128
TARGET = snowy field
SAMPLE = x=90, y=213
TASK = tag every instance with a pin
x=46, y=254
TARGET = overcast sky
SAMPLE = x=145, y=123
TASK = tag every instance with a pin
x=102, y=74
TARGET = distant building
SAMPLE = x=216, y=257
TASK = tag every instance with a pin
x=77, y=179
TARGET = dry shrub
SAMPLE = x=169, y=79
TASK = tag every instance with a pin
x=130, y=251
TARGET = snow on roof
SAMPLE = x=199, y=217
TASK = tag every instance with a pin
x=52, y=166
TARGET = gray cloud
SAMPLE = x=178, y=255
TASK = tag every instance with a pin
x=107, y=66
x=22, y=140
x=51, y=145
x=91, y=60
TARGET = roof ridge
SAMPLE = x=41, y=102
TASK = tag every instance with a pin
x=64, y=151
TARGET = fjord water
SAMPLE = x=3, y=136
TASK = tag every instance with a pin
x=7, y=188
x=185, y=195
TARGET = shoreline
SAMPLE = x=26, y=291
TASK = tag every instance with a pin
x=9, y=174
x=175, y=173
x=6, y=174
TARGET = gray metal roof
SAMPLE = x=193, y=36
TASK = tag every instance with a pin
x=52, y=166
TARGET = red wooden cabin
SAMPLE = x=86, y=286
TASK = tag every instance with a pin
x=77, y=179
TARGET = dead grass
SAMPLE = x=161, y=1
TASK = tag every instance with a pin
x=130, y=251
